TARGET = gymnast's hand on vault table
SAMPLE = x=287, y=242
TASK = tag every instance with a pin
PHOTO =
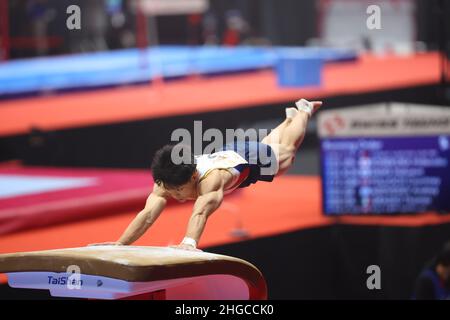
x=185, y=247
x=114, y=243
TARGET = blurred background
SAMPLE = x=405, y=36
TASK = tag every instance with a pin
x=90, y=89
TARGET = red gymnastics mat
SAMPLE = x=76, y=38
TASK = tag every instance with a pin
x=35, y=197
x=288, y=204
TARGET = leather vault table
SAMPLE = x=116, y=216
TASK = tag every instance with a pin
x=118, y=272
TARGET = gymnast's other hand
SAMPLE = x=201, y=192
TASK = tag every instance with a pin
x=112, y=243
x=185, y=246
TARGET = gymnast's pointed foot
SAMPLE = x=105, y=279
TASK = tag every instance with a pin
x=309, y=107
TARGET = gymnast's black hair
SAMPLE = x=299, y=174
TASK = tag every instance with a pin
x=165, y=172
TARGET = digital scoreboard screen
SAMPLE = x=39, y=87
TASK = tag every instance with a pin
x=378, y=166
x=386, y=175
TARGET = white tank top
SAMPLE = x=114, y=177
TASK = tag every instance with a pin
x=226, y=160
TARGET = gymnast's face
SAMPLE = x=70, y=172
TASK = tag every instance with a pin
x=187, y=191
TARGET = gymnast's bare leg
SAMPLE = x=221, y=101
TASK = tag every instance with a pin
x=288, y=136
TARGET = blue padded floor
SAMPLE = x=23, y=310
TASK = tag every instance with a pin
x=84, y=71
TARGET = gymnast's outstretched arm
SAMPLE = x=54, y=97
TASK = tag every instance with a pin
x=154, y=205
x=210, y=198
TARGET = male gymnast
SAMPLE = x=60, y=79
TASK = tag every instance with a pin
x=208, y=177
